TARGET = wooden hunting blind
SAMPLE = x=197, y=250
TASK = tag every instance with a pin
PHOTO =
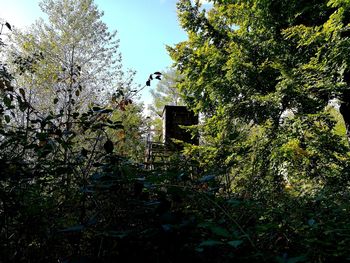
x=173, y=118
x=157, y=154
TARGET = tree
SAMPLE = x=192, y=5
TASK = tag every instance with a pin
x=73, y=58
x=249, y=63
x=265, y=61
x=166, y=92
x=130, y=139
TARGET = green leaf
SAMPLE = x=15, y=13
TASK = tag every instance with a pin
x=7, y=118
x=76, y=228
x=8, y=26
x=234, y=202
x=77, y=93
x=297, y=259
x=285, y=259
x=42, y=136
x=118, y=234
x=7, y=101
x=22, y=92
x=210, y=243
x=235, y=243
x=96, y=108
x=311, y=222
x=22, y=105
x=220, y=231
x=84, y=152
x=106, y=111
x=108, y=146
x=75, y=115
x=206, y=178
x=199, y=249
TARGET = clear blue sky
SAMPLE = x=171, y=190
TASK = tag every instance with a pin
x=144, y=28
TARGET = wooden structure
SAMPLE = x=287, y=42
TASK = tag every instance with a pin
x=157, y=154
x=173, y=118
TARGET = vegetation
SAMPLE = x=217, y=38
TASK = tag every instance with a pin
x=269, y=181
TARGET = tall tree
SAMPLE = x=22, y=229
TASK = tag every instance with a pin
x=166, y=92
x=250, y=62
x=263, y=57
x=73, y=57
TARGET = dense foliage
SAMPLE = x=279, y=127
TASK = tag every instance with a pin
x=263, y=74
x=269, y=181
